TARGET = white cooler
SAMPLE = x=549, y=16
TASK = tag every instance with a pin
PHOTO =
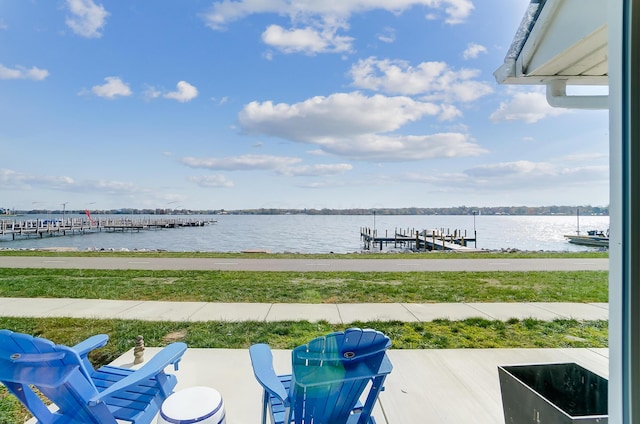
x=199, y=404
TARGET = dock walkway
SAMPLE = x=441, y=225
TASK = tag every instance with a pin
x=425, y=240
x=15, y=229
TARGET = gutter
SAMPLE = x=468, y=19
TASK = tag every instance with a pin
x=557, y=97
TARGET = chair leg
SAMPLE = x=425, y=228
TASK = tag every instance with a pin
x=265, y=406
x=376, y=387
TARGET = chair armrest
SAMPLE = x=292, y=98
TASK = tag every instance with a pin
x=385, y=366
x=262, y=363
x=93, y=342
x=171, y=354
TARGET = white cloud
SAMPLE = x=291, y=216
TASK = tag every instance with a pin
x=326, y=184
x=151, y=93
x=305, y=40
x=382, y=148
x=225, y=11
x=338, y=115
x=13, y=180
x=212, y=181
x=113, y=88
x=88, y=18
x=241, y=163
x=3, y=25
x=388, y=35
x=221, y=100
x=281, y=165
x=357, y=127
x=519, y=175
x=529, y=107
x=586, y=157
x=115, y=187
x=19, y=72
x=457, y=10
x=449, y=113
x=473, y=50
x=513, y=174
x=315, y=24
x=316, y=170
x=433, y=80
x=185, y=92
x=512, y=169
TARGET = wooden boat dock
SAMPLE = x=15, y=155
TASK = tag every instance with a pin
x=17, y=229
x=425, y=240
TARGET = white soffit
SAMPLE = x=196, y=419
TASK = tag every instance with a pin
x=559, y=40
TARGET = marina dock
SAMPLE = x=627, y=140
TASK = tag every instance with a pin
x=425, y=240
x=18, y=229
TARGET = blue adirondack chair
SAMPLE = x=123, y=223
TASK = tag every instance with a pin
x=83, y=394
x=329, y=377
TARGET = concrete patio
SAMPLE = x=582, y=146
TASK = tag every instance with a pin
x=426, y=386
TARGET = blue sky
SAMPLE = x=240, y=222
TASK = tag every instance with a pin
x=108, y=104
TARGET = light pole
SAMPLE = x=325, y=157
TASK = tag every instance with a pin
x=374, y=222
x=475, y=237
x=172, y=203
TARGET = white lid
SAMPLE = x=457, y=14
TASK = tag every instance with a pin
x=192, y=403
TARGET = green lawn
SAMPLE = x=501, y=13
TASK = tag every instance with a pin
x=307, y=287
x=438, y=334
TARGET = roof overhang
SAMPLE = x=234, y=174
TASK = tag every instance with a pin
x=560, y=43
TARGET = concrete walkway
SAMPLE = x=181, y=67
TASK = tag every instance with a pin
x=332, y=313
x=390, y=264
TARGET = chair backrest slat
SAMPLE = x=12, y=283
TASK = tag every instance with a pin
x=330, y=373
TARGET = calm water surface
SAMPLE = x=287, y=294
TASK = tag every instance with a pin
x=323, y=234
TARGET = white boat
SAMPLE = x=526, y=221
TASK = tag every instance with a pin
x=595, y=238
x=592, y=238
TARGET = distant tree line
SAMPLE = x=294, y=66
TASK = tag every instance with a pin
x=458, y=210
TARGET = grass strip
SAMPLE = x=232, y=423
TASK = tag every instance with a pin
x=306, y=287
x=438, y=334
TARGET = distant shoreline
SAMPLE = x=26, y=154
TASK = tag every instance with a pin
x=459, y=210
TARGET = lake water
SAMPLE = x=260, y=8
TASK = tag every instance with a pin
x=326, y=233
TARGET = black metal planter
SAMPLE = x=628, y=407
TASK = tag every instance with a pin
x=552, y=393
